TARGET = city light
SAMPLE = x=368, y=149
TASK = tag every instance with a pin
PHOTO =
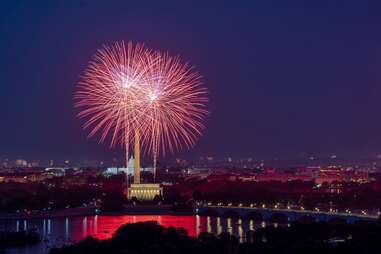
x=104, y=146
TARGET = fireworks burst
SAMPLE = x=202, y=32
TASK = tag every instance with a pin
x=129, y=89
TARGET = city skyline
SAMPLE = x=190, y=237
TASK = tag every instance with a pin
x=190, y=127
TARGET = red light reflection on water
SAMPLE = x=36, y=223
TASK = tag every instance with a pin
x=103, y=227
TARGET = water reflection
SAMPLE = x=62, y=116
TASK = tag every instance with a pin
x=49, y=226
x=208, y=225
x=218, y=226
x=58, y=231
x=251, y=225
x=229, y=225
x=84, y=227
x=67, y=229
x=240, y=230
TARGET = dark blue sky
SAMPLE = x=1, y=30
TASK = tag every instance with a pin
x=285, y=77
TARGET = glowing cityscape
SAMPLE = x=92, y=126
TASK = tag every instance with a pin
x=190, y=127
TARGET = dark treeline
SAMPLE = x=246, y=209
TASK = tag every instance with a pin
x=57, y=193
x=354, y=196
x=149, y=237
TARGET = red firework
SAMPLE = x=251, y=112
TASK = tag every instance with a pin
x=129, y=89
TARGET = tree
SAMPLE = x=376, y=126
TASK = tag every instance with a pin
x=113, y=202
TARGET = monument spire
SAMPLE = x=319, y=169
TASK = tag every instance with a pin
x=137, y=158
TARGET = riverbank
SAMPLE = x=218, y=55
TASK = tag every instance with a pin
x=69, y=212
x=89, y=211
x=148, y=210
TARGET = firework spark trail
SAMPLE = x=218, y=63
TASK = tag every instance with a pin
x=176, y=102
x=129, y=88
x=110, y=89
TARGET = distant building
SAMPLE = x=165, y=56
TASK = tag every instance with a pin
x=55, y=171
x=196, y=174
x=129, y=170
x=115, y=170
x=330, y=175
x=33, y=164
x=24, y=178
x=14, y=179
x=21, y=163
x=144, y=191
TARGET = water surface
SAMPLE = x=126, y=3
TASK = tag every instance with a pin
x=58, y=231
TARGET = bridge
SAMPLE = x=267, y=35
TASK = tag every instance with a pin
x=281, y=215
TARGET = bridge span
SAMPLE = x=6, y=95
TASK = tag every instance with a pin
x=280, y=214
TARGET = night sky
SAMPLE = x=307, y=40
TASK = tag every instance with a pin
x=286, y=78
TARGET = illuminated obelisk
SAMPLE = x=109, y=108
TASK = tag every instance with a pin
x=138, y=190
x=137, y=158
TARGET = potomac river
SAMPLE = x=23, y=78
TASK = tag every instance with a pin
x=63, y=230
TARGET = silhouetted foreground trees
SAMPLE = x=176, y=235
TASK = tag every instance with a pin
x=149, y=237
x=14, y=239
